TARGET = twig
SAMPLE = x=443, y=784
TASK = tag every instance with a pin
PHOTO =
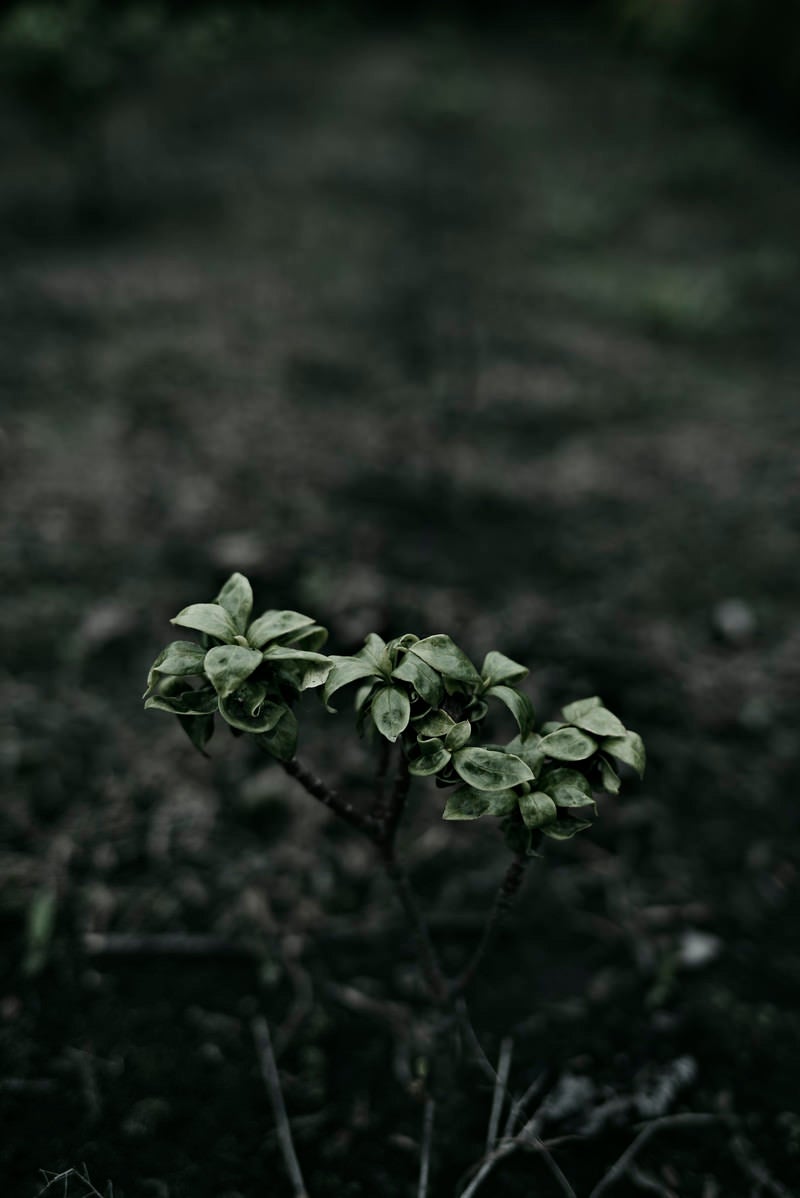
x=666, y=1122
x=425, y=1150
x=501, y=1083
x=329, y=798
x=269, y=1072
x=554, y=1168
x=429, y=959
x=519, y=1104
x=647, y=1183
x=397, y=802
x=174, y=944
x=502, y=904
x=462, y=1011
x=755, y=1169
x=66, y=1177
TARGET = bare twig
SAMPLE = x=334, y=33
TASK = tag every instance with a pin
x=755, y=1169
x=501, y=1084
x=462, y=1011
x=518, y=1105
x=665, y=1123
x=502, y=904
x=269, y=1072
x=52, y=1179
x=556, y=1171
x=647, y=1183
x=429, y=959
x=173, y=944
x=329, y=798
x=425, y=1149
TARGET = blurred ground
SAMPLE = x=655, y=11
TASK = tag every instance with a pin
x=419, y=331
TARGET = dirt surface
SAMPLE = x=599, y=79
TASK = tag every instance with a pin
x=424, y=332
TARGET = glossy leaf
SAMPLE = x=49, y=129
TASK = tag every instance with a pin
x=565, y=829
x=498, y=668
x=573, y=711
x=429, y=763
x=466, y=803
x=425, y=681
x=628, y=748
x=529, y=749
x=443, y=655
x=209, y=618
x=199, y=729
x=487, y=769
x=237, y=598
x=518, y=704
x=281, y=741
x=227, y=666
x=434, y=723
x=376, y=654
x=568, y=744
x=179, y=658
x=272, y=625
x=568, y=788
x=312, y=638
x=249, y=710
x=609, y=777
x=391, y=711
x=458, y=736
x=312, y=668
x=600, y=722
x=537, y=809
x=344, y=671
x=188, y=702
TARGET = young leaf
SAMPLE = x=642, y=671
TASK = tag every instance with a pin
x=458, y=735
x=249, y=710
x=314, y=668
x=345, y=670
x=227, y=666
x=179, y=658
x=434, y=723
x=441, y=654
x=375, y=653
x=565, y=829
x=529, y=749
x=237, y=598
x=429, y=763
x=568, y=788
x=600, y=722
x=518, y=704
x=189, y=702
x=209, y=618
x=537, y=809
x=466, y=803
x=199, y=729
x=609, y=777
x=628, y=748
x=574, y=710
x=391, y=711
x=312, y=638
x=498, y=668
x=487, y=769
x=425, y=681
x=275, y=624
x=568, y=744
x=281, y=742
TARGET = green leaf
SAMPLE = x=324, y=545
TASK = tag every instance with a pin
x=466, y=803
x=313, y=668
x=434, y=723
x=518, y=704
x=628, y=748
x=237, y=598
x=189, y=702
x=537, y=809
x=312, y=638
x=609, y=777
x=199, y=729
x=391, y=711
x=565, y=829
x=574, y=710
x=499, y=668
x=249, y=710
x=568, y=744
x=425, y=681
x=281, y=742
x=272, y=625
x=179, y=658
x=345, y=670
x=429, y=763
x=441, y=654
x=376, y=654
x=568, y=788
x=458, y=735
x=487, y=769
x=209, y=618
x=227, y=666
x=529, y=749
x=600, y=722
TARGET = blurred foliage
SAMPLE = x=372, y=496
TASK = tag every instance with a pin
x=749, y=46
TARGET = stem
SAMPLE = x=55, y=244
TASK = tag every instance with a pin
x=429, y=959
x=365, y=824
x=390, y=816
x=502, y=905
x=269, y=1072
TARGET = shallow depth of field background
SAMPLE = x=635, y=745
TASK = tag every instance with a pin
x=436, y=324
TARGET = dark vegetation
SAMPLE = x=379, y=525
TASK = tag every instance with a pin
x=420, y=330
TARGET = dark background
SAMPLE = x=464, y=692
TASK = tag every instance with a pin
x=479, y=320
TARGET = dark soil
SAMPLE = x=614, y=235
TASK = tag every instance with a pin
x=420, y=331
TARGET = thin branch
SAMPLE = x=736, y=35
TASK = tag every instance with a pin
x=269, y=1072
x=330, y=799
x=173, y=944
x=462, y=1011
x=501, y=1085
x=429, y=958
x=554, y=1168
x=519, y=1104
x=502, y=904
x=397, y=801
x=666, y=1122
x=755, y=1169
x=425, y=1150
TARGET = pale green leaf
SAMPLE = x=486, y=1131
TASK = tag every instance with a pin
x=498, y=668
x=488, y=769
x=179, y=658
x=375, y=652
x=529, y=749
x=189, y=702
x=236, y=597
x=425, y=681
x=209, y=618
x=441, y=654
x=537, y=809
x=569, y=788
x=466, y=803
x=565, y=829
x=227, y=666
x=518, y=704
x=600, y=722
x=249, y=710
x=281, y=741
x=312, y=638
x=345, y=670
x=272, y=625
x=609, y=777
x=312, y=668
x=391, y=711
x=199, y=729
x=628, y=748
x=429, y=763
x=568, y=744
x=434, y=723
x=572, y=711
x=458, y=736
